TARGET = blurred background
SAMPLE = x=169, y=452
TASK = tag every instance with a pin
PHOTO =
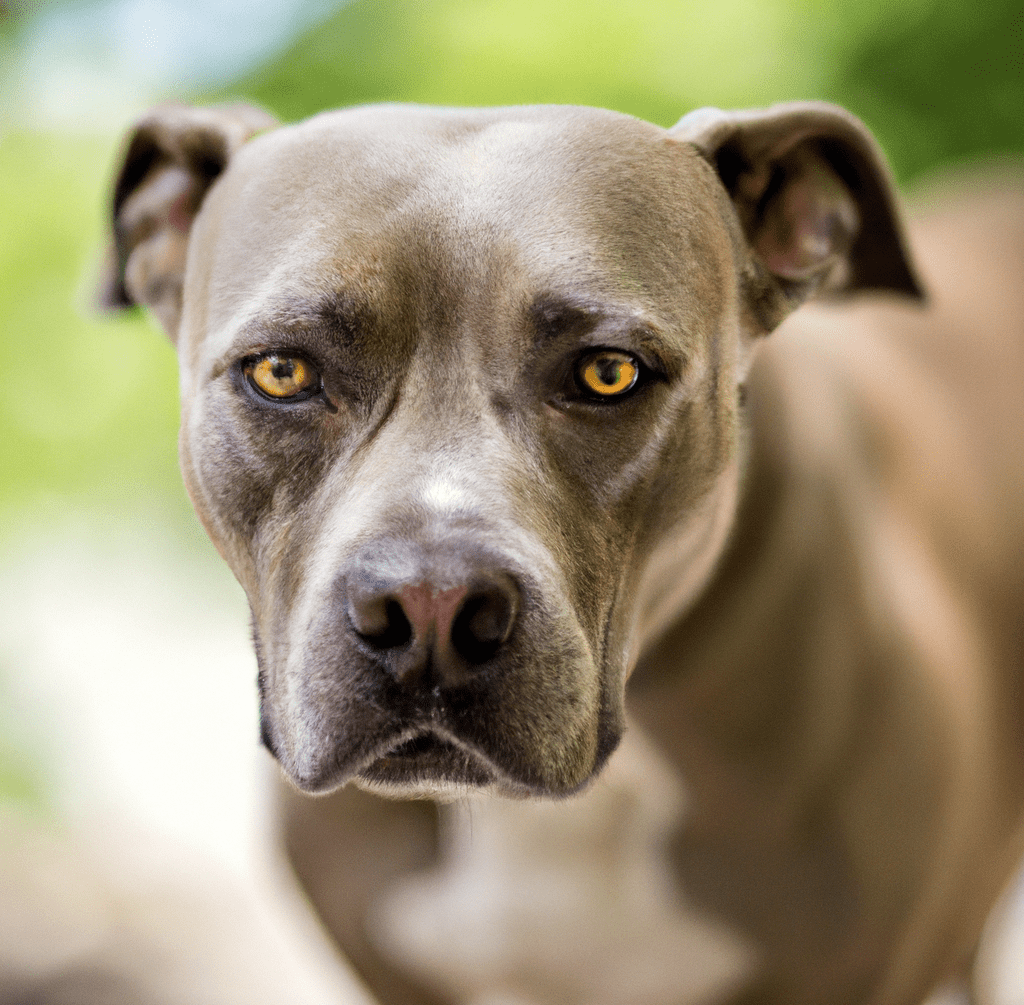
x=126, y=681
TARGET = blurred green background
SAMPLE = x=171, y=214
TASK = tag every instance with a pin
x=88, y=412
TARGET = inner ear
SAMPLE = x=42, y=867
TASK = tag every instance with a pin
x=800, y=217
x=171, y=159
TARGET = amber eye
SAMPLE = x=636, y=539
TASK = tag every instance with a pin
x=608, y=373
x=282, y=377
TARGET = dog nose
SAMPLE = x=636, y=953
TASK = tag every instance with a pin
x=419, y=628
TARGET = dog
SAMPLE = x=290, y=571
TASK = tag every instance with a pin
x=485, y=411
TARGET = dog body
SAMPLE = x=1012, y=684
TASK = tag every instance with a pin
x=480, y=408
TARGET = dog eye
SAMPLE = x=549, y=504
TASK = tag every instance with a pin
x=607, y=373
x=283, y=378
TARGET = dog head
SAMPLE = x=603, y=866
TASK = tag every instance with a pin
x=460, y=398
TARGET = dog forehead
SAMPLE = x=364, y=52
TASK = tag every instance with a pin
x=378, y=153
x=530, y=173
x=363, y=197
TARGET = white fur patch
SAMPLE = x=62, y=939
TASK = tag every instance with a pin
x=444, y=496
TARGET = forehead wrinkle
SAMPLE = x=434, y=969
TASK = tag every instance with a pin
x=318, y=325
x=554, y=315
x=560, y=316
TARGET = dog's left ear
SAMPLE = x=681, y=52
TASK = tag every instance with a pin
x=170, y=160
x=814, y=198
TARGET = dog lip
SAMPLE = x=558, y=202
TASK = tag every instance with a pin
x=418, y=741
x=424, y=760
x=427, y=757
x=417, y=746
x=401, y=747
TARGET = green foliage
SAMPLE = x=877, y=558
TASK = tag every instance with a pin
x=935, y=79
x=21, y=780
x=945, y=83
x=650, y=59
x=89, y=404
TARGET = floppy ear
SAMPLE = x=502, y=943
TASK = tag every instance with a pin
x=814, y=200
x=170, y=160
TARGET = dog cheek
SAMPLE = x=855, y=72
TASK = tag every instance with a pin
x=694, y=458
x=243, y=484
x=564, y=511
x=593, y=540
x=232, y=489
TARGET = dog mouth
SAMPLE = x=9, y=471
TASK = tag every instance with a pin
x=533, y=721
x=428, y=763
x=424, y=745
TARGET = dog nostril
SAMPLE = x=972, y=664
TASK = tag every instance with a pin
x=413, y=626
x=380, y=621
x=484, y=622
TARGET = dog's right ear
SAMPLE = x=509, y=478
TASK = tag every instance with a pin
x=170, y=160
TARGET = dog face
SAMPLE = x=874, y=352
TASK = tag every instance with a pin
x=459, y=402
